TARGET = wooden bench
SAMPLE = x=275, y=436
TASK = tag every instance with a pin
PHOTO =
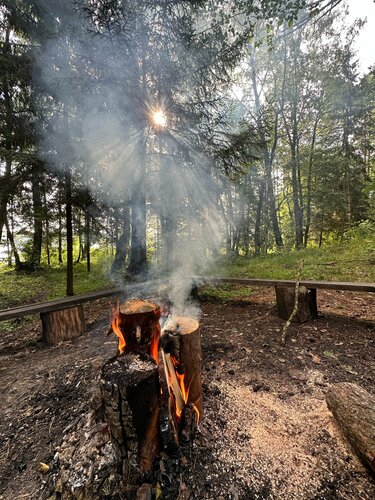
x=285, y=292
x=62, y=319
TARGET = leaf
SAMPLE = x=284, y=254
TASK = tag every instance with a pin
x=349, y=369
x=330, y=354
x=315, y=358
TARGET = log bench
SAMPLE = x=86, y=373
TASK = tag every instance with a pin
x=285, y=292
x=62, y=319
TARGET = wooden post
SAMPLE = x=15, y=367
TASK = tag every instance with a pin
x=307, y=307
x=64, y=324
x=130, y=391
x=354, y=411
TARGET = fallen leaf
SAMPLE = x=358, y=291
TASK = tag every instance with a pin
x=329, y=354
x=349, y=369
x=315, y=358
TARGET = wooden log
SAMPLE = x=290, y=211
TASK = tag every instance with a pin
x=167, y=417
x=181, y=339
x=61, y=325
x=138, y=321
x=354, y=411
x=130, y=391
x=307, y=307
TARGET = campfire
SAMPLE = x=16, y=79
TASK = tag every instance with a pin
x=151, y=389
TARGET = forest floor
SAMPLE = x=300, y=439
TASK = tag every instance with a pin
x=266, y=432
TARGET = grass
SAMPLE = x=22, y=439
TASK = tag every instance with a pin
x=353, y=260
x=22, y=288
x=224, y=293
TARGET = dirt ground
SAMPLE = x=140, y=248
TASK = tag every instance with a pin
x=266, y=433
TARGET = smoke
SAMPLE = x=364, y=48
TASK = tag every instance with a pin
x=104, y=81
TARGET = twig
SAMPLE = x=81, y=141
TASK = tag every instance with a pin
x=295, y=308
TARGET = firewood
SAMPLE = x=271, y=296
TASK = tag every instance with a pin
x=181, y=339
x=64, y=324
x=130, y=391
x=180, y=403
x=167, y=416
x=354, y=411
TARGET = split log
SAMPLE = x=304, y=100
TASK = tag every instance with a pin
x=354, y=411
x=138, y=320
x=307, y=306
x=130, y=391
x=167, y=416
x=65, y=324
x=181, y=338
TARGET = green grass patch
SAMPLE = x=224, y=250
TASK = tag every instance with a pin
x=224, y=293
x=352, y=260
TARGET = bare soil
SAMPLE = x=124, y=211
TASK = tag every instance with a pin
x=266, y=433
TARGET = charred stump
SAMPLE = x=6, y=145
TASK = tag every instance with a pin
x=130, y=391
x=65, y=324
x=354, y=411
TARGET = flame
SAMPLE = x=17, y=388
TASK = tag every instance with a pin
x=196, y=412
x=118, y=332
x=154, y=347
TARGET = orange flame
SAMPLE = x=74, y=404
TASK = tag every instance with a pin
x=118, y=332
x=154, y=347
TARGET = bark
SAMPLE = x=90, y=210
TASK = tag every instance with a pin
x=38, y=219
x=69, y=233
x=122, y=244
x=285, y=300
x=65, y=324
x=309, y=182
x=46, y=217
x=354, y=411
x=138, y=254
x=87, y=241
x=18, y=264
x=258, y=220
x=130, y=389
x=181, y=339
x=60, y=228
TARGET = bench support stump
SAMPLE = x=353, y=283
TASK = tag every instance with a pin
x=307, y=306
x=64, y=324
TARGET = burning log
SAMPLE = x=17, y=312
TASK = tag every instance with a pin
x=137, y=321
x=181, y=339
x=130, y=391
x=64, y=324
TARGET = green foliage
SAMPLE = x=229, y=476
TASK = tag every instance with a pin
x=352, y=260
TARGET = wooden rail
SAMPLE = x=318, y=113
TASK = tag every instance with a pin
x=310, y=284
x=56, y=305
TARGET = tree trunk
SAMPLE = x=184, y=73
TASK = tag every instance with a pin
x=69, y=233
x=87, y=241
x=60, y=226
x=46, y=218
x=122, y=244
x=138, y=254
x=62, y=325
x=18, y=264
x=309, y=182
x=354, y=411
x=258, y=219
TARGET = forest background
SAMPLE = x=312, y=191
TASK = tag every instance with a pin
x=170, y=138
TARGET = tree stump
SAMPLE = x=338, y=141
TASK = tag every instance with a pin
x=354, y=411
x=64, y=324
x=307, y=306
x=181, y=338
x=130, y=391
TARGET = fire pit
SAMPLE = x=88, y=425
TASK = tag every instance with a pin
x=151, y=389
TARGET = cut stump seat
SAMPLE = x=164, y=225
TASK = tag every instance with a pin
x=62, y=319
x=285, y=292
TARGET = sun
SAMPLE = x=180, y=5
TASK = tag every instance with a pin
x=159, y=118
